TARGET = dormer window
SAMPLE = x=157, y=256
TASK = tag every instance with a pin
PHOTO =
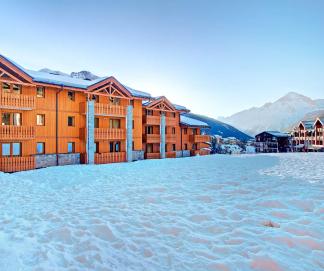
x=71, y=95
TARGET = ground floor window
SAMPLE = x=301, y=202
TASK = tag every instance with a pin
x=40, y=147
x=173, y=147
x=97, y=147
x=11, y=149
x=114, y=146
x=149, y=148
x=71, y=147
x=186, y=146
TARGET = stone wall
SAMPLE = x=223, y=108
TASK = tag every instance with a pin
x=182, y=154
x=49, y=160
x=138, y=155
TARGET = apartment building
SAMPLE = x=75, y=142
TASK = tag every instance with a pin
x=50, y=119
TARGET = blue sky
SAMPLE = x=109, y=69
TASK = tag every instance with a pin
x=215, y=57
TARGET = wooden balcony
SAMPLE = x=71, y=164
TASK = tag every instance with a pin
x=170, y=154
x=13, y=164
x=152, y=120
x=110, y=157
x=169, y=121
x=152, y=155
x=11, y=132
x=110, y=133
x=106, y=110
x=17, y=101
x=171, y=138
x=152, y=138
x=199, y=138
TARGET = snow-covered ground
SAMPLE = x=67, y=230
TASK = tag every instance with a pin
x=199, y=213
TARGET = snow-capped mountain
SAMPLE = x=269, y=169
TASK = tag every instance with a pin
x=85, y=75
x=279, y=115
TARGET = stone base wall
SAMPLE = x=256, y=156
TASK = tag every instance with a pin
x=49, y=160
x=182, y=154
x=138, y=155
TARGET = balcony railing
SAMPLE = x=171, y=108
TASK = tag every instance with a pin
x=169, y=121
x=17, y=101
x=106, y=110
x=199, y=138
x=111, y=157
x=171, y=138
x=110, y=133
x=153, y=120
x=11, y=132
x=152, y=155
x=152, y=138
x=12, y=164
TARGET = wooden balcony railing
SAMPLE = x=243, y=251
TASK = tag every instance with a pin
x=17, y=101
x=13, y=164
x=152, y=155
x=110, y=133
x=152, y=120
x=110, y=157
x=199, y=138
x=105, y=110
x=11, y=132
x=170, y=138
x=169, y=121
x=170, y=154
x=152, y=138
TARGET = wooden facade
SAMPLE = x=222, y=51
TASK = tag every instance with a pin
x=43, y=121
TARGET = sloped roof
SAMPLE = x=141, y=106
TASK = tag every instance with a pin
x=308, y=124
x=180, y=107
x=138, y=93
x=275, y=133
x=192, y=122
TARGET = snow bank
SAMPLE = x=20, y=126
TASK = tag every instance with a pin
x=198, y=213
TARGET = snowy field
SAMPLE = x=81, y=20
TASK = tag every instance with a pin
x=199, y=213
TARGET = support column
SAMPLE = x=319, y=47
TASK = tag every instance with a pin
x=90, y=145
x=129, y=138
x=162, y=136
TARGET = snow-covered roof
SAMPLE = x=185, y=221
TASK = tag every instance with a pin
x=192, y=122
x=276, y=133
x=138, y=93
x=308, y=124
x=180, y=107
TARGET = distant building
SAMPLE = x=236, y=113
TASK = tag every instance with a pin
x=308, y=135
x=273, y=141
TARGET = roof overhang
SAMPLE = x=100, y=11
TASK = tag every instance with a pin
x=161, y=104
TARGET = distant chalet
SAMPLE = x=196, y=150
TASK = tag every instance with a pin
x=273, y=142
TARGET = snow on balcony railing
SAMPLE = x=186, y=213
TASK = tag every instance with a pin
x=17, y=101
x=11, y=132
x=111, y=157
x=13, y=164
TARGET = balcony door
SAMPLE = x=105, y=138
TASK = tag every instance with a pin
x=11, y=119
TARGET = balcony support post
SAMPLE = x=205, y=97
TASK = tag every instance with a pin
x=129, y=131
x=90, y=144
x=162, y=133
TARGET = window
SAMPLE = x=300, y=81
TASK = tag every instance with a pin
x=131, y=102
x=185, y=131
x=186, y=146
x=173, y=114
x=173, y=130
x=71, y=147
x=16, y=89
x=173, y=147
x=194, y=131
x=133, y=145
x=5, y=147
x=71, y=121
x=149, y=148
x=11, y=149
x=114, y=100
x=16, y=119
x=71, y=95
x=95, y=98
x=114, y=123
x=149, y=130
x=5, y=87
x=114, y=146
x=5, y=120
x=40, y=148
x=11, y=119
x=40, y=119
x=97, y=147
x=166, y=147
x=194, y=147
x=40, y=92
x=133, y=124
x=96, y=124
x=149, y=112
